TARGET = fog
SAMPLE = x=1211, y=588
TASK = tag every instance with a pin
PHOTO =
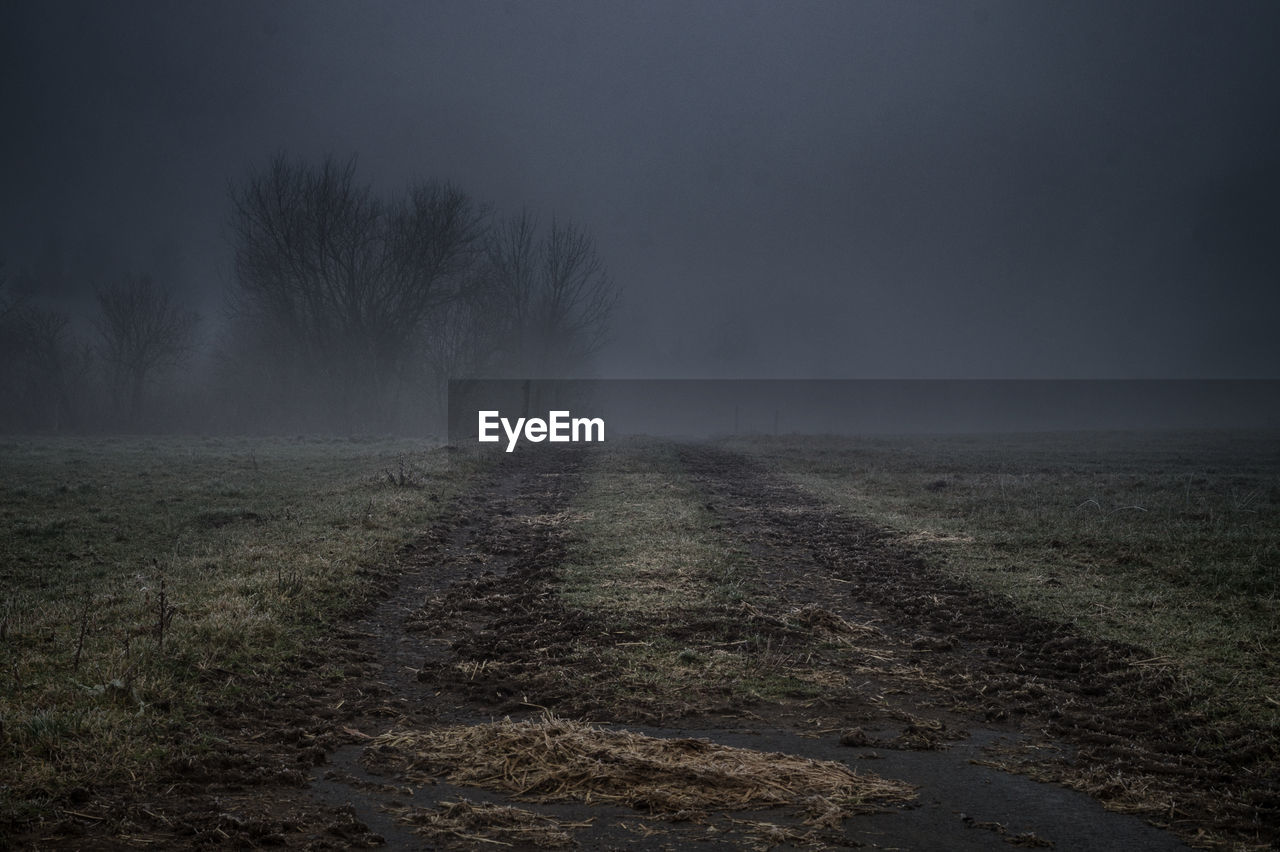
x=872, y=190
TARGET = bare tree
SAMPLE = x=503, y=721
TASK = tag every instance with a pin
x=348, y=281
x=143, y=330
x=554, y=294
x=512, y=288
x=462, y=340
x=578, y=296
x=305, y=253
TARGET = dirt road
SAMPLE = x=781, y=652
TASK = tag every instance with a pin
x=908, y=677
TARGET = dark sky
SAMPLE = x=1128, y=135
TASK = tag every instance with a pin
x=887, y=189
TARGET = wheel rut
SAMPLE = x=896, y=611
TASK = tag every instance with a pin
x=1066, y=707
x=932, y=684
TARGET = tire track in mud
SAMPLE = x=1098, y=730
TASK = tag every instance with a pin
x=1133, y=738
x=287, y=770
x=472, y=628
x=491, y=567
x=475, y=575
x=498, y=640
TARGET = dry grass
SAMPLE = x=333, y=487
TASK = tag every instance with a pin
x=1167, y=541
x=1170, y=541
x=468, y=822
x=551, y=759
x=821, y=622
x=643, y=550
x=147, y=578
x=646, y=555
x=704, y=630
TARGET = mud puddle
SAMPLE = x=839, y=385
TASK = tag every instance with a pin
x=963, y=805
x=960, y=805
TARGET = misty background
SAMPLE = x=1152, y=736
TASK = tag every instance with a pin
x=772, y=190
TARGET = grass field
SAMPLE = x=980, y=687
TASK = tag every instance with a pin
x=148, y=582
x=140, y=575
x=1170, y=541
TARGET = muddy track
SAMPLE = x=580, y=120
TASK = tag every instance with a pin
x=470, y=627
x=497, y=640
x=284, y=771
x=1131, y=734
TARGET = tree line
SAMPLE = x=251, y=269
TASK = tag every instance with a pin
x=347, y=311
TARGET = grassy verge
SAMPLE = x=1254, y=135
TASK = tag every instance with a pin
x=647, y=559
x=140, y=574
x=1169, y=541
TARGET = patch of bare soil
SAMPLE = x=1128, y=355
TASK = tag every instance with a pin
x=1110, y=723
